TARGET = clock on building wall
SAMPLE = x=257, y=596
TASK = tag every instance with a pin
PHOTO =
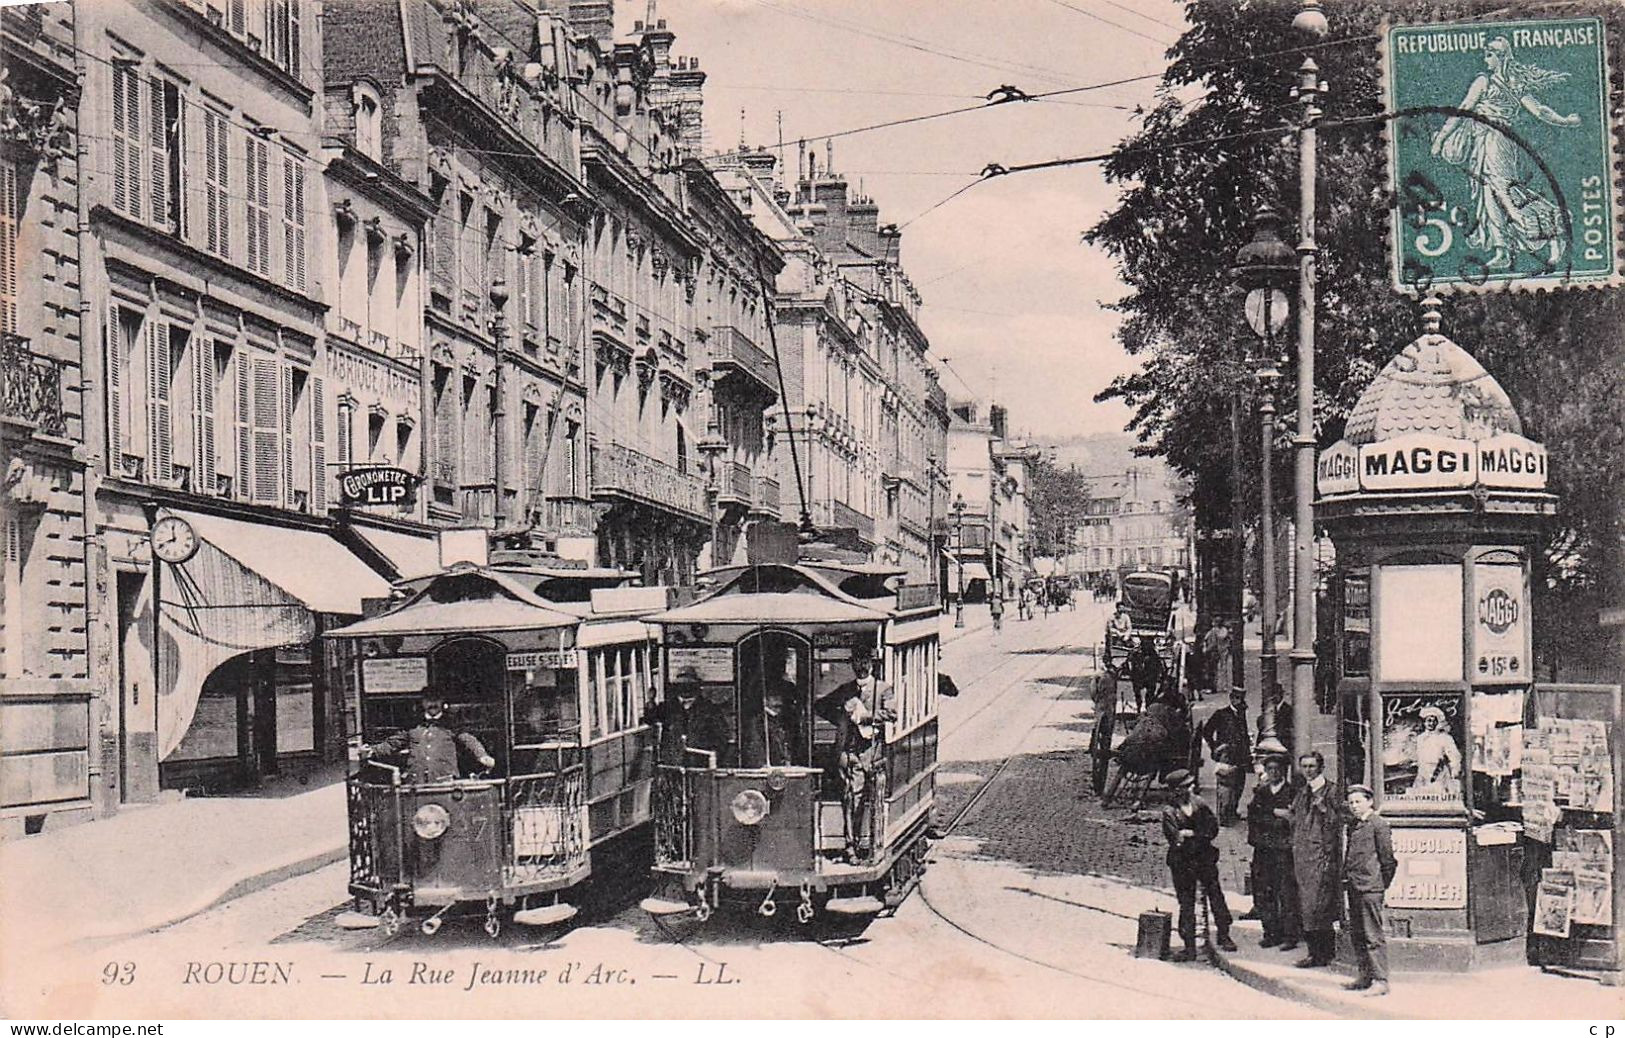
x=173, y=539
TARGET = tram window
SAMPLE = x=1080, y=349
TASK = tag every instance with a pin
x=545, y=709
x=595, y=694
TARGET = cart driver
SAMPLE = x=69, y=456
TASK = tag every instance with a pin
x=430, y=748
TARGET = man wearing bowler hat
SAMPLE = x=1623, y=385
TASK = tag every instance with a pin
x=687, y=722
x=1368, y=867
x=1191, y=827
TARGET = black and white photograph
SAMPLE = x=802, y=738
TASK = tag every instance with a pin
x=811, y=510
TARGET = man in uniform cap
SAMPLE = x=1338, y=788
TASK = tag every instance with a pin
x=430, y=748
x=1191, y=827
x=1368, y=867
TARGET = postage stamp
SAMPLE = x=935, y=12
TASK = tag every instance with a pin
x=1500, y=156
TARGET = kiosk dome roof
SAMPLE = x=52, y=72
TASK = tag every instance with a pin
x=1432, y=386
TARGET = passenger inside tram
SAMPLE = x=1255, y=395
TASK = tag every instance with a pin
x=773, y=715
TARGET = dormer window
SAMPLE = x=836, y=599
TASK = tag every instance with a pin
x=369, y=135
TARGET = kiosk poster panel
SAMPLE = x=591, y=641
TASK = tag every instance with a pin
x=1423, y=755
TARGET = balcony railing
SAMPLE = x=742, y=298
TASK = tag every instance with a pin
x=847, y=516
x=620, y=471
x=570, y=517
x=608, y=312
x=735, y=356
x=767, y=495
x=733, y=482
x=32, y=388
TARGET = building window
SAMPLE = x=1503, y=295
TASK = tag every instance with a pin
x=368, y=124
x=160, y=368
x=257, y=168
x=293, y=222
x=217, y=184
x=282, y=44
x=345, y=432
x=168, y=151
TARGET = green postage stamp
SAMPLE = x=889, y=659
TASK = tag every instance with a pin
x=1501, y=156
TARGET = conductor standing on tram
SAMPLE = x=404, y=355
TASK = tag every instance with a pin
x=864, y=705
x=430, y=748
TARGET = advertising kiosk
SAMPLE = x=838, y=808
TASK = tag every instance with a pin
x=1434, y=500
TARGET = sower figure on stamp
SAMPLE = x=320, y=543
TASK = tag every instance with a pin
x=1368, y=867
x=430, y=749
x=1190, y=828
x=1269, y=831
x=1316, y=824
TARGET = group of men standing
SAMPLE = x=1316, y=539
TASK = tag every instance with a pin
x=1312, y=850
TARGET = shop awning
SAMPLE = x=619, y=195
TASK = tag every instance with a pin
x=411, y=555
x=307, y=564
x=976, y=571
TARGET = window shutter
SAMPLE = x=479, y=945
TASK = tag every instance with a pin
x=287, y=430
x=218, y=179
x=243, y=420
x=445, y=433
x=158, y=137
x=293, y=222
x=8, y=247
x=203, y=416
x=239, y=16
x=159, y=439
x=116, y=351
x=346, y=422
x=318, y=445
x=258, y=169
x=445, y=251
x=267, y=431
x=126, y=141
x=252, y=182
x=293, y=38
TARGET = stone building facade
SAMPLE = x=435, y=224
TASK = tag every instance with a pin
x=50, y=761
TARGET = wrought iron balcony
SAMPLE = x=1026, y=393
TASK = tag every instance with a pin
x=740, y=362
x=32, y=387
x=847, y=516
x=570, y=517
x=733, y=483
x=608, y=313
x=621, y=472
x=767, y=496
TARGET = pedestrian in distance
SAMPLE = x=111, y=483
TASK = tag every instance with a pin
x=1368, y=867
x=1316, y=823
x=1190, y=827
x=1230, y=745
x=995, y=609
x=1269, y=833
x=429, y=750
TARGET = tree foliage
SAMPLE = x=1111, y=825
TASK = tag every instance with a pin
x=1208, y=154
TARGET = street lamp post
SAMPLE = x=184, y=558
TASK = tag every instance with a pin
x=1263, y=267
x=1309, y=21
x=959, y=559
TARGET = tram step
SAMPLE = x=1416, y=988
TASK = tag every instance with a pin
x=854, y=905
x=663, y=906
x=356, y=921
x=546, y=915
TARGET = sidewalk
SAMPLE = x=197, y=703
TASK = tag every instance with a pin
x=151, y=866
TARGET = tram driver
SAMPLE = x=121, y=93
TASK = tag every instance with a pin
x=430, y=748
x=687, y=721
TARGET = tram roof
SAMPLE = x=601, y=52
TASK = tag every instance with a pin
x=775, y=593
x=464, y=599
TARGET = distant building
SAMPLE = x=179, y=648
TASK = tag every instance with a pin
x=988, y=512
x=1131, y=520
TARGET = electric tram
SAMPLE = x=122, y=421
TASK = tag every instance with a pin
x=798, y=742
x=543, y=665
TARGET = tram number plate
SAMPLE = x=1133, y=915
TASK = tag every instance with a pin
x=561, y=659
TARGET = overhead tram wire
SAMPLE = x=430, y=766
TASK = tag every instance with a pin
x=1116, y=25
x=1142, y=14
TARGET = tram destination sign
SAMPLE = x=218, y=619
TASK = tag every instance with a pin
x=1500, y=154
x=548, y=659
x=378, y=486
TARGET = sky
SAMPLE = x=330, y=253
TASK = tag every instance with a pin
x=1013, y=298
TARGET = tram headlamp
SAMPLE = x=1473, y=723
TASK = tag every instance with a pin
x=749, y=807
x=431, y=821
x=777, y=780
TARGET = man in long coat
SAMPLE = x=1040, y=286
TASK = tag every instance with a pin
x=1229, y=741
x=1316, y=824
x=1269, y=831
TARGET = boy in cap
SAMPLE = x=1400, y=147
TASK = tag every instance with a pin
x=1191, y=827
x=1368, y=867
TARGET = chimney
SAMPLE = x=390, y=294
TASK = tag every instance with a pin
x=687, y=92
x=595, y=18
x=863, y=226
x=997, y=418
x=829, y=194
